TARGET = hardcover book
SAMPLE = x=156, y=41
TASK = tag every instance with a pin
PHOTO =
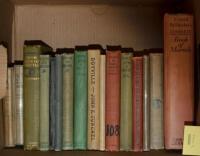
x=178, y=76
x=126, y=101
x=156, y=101
x=113, y=68
x=32, y=51
x=68, y=94
x=18, y=100
x=94, y=54
x=138, y=104
x=80, y=97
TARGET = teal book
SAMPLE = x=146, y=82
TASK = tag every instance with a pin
x=31, y=77
x=58, y=103
x=44, y=102
x=68, y=94
x=80, y=98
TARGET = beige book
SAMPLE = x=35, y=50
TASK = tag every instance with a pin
x=93, y=99
x=8, y=113
x=3, y=71
x=156, y=101
x=102, y=101
x=1, y=127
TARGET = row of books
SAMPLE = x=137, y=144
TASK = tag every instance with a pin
x=117, y=100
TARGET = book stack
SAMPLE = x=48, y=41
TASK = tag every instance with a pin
x=112, y=99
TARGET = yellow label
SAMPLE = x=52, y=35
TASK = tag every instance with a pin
x=191, y=143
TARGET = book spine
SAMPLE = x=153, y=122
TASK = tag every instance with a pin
x=31, y=96
x=2, y=133
x=156, y=101
x=52, y=103
x=58, y=103
x=197, y=82
x=102, y=101
x=68, y=94
x=80, y=100
x=146, y=104
x=3, y=71
x=137, y=104
x=93, y=99
x=178, y=76
x=8, y=113
x=126, y=102
x=18, y=69
x=113, y=61
x=44, y=102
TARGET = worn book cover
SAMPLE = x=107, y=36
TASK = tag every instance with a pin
x=178, y=77
x=113, y=69
x=94, y=54
x=126, y=101
x=137, y=104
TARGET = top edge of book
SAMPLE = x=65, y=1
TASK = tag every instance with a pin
x=179, y=14
x=36, y=43
x=64, y=50
x=81, y=48
x=127, y=50
x=113, y=48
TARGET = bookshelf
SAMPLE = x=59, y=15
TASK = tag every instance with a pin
x=64, y=23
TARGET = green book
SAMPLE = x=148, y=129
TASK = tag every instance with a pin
x=68, y=88
x=44, y=102
x=31, y=76
x=126, y=101
x=80, y=99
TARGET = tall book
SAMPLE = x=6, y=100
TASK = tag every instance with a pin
x=68, y=94
x=52, y=102
x=58, y=103
x=146, y=103
x=18, y=100
x=138, y=103
x=126, y=101
x=156, y=101
x=44, y=101
x=32, y=51
x=112, y=115
x=2, y=134
x=102, y=100
x=197, y=84
x=80, y=97
x=94, y=53
x=178, y=76
x=3, y=71
x=8, y=109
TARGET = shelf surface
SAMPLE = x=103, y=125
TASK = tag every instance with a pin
x=21, y=152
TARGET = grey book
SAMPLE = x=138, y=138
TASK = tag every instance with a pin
x=58, y=103
x=146, y=104
x=18, y=70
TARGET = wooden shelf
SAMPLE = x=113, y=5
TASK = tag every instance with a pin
x=21, y=152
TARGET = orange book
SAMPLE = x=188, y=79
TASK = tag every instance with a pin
x=138, y=104
x=113, y=57
x=178, y=77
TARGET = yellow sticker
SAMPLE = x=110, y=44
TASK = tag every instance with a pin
x=191, y=142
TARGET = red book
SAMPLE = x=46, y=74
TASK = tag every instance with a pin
x=137, y=104
x=178, y=77
x=113, y=58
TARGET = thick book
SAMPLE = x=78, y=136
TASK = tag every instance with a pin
x=178, y=77
x=68, y=94
x=3, y=71
x=137, y=104
x=18, y=98
x=58, y=103
x=146, y=103
x=80, y=97
x=156, y=101
x=8, y=115
x=44, y=101
x=94, y=54
x=31, y=88
x=102, y=100
x=112, y=115
x=52, y=103
x=126, y=101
